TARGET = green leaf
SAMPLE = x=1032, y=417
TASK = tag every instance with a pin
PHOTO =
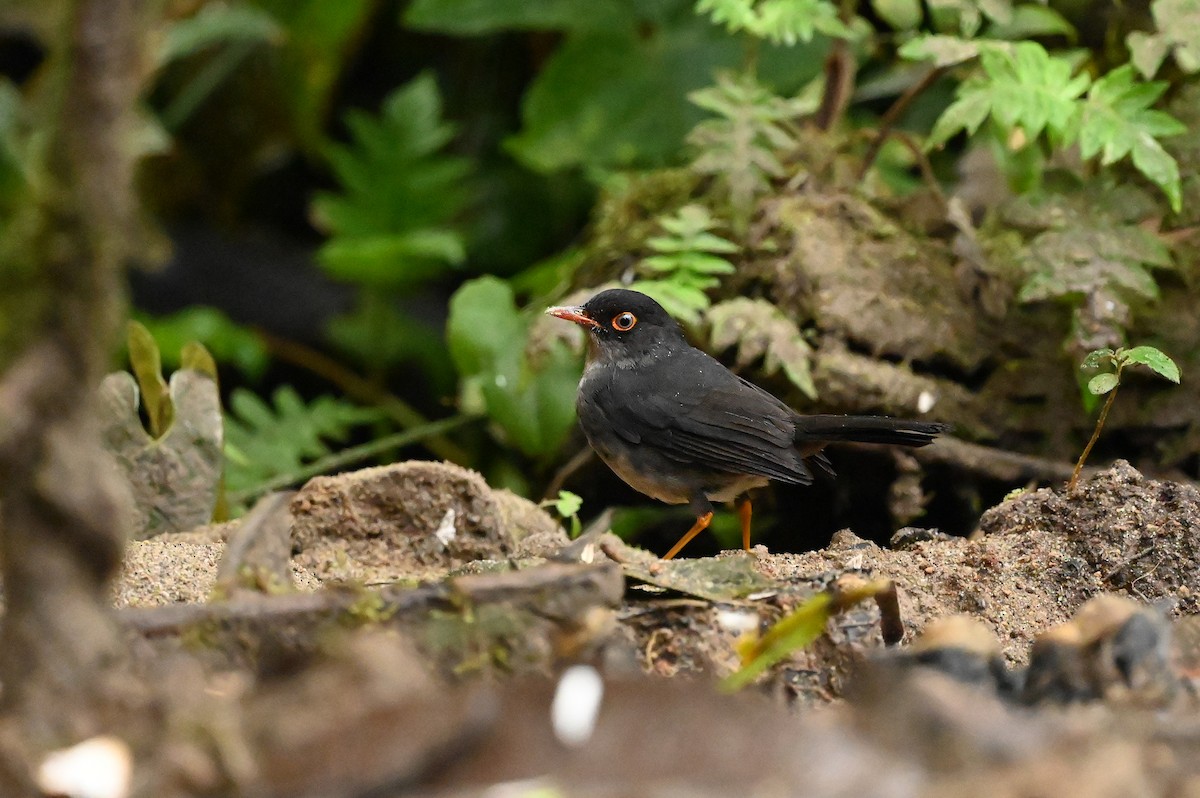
x=1103, y=383
x=943, y=50
x=477, y=17
x=1023, y=87
x=899, y=14
x=1155, y=359
x=1147, y=52
x=567, y=504
x=1178, y=32
x=966, y=16
x=393, y=222
x=393, y=261
x=196, y=358
x=532, y=400
x=685, y=301
x=266, y=440
x=686, y=263
x=1078, y=260
x=217, y=24
x=761, y=330
x=609, y=100
x=1118, y=121
x=966, y=113
x=743, y=145
x=147, y=367
x=1029, y=21
x=1096, y=357
x=228, y=341
x=779, y=21
x=793, y=632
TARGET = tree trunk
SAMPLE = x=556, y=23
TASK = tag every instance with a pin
x=62, y=509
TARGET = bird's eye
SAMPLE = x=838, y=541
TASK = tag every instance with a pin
x=623, y=322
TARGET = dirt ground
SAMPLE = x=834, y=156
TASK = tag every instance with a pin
x=411, y=645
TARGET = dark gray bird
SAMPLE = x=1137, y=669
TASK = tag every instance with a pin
x=678, y=426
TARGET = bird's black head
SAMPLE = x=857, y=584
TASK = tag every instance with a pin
x=620, y=319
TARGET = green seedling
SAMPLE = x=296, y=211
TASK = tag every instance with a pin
x=567, y=505
x=1107, y=382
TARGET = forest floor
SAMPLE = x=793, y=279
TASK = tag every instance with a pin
x=417, y=650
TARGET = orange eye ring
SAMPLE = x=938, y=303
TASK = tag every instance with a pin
x=623, y=322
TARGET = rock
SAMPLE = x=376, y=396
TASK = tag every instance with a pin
x=412, y=520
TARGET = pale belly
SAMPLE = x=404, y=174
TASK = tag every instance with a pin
x=679, y=489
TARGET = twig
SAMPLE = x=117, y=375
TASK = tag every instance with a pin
x=894, y=113
x=552, y=590
x=891, y=622
x=1128, y=561
x=993, y=463
x=354, y=454
x=839, y=85
x=931, y=181
x=361, y=389
x=578, y=461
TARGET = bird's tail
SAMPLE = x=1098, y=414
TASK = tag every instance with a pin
x=866, y=429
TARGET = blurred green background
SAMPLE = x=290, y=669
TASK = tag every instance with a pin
x=361, y=206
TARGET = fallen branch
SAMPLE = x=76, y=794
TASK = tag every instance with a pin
x=555, y=591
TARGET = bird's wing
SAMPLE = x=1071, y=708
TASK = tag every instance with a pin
x=709, y=419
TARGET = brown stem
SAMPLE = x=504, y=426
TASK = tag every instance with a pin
x=894, y=113
x=1095, y=435
x=839, y=85
x=931, y=181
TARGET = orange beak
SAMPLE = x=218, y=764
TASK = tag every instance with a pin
x=575, y=314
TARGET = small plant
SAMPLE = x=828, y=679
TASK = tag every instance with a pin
x=392, y=223
x=269, y=440
x=686, y=262
x=524, y=386
x=1109, y=381
x=1029, y=93
x=567, y=505
x=777, y=21
x=742, y=143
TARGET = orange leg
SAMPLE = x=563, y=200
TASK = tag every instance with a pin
x=744, y=511
x=701, y=524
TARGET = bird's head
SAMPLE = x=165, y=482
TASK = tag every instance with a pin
x=622, y=322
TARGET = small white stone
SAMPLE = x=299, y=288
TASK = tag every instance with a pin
x=737, y=621
x=97, y=768
x=446, y=531
x=925, y=401
x=525, y=788
x=576, y=705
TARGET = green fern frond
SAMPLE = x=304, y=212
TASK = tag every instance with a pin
x=264, y=440
x=686, y=263
x=742, y=146
x=777, y=21
x=393, y=222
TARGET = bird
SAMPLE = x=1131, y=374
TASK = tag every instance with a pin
x=676, y=425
